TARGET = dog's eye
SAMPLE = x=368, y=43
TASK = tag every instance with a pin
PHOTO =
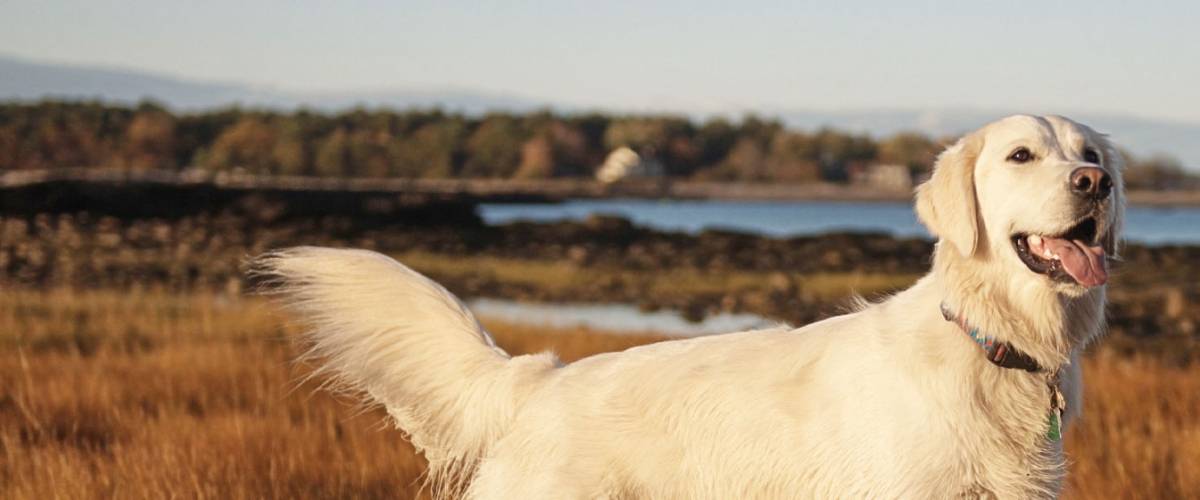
x=1091, y=156
x=1021, y=155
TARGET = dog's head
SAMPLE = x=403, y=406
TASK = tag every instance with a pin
x=1042, y=195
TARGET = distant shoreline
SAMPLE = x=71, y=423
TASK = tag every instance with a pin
x=494, y=190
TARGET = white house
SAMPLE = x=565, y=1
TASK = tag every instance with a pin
x=625, y=163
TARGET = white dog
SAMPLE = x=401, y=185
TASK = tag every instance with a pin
x=957, y=387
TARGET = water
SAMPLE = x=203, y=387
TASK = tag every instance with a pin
x=619, y=318
x=1149, y=225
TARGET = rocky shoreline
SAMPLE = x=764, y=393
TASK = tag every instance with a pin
x=602, y=259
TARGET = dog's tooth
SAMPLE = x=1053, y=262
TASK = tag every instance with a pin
x=1035, y=240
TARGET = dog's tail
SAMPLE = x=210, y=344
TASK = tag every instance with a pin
x=385, y=331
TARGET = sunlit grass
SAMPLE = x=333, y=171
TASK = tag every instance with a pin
x=151, y=395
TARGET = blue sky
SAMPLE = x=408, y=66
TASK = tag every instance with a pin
x=1096, y=56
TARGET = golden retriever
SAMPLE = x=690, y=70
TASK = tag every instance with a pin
x=958, y=387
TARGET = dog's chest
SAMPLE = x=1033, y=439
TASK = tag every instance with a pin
x=956, y=438
x=935, y=446
x=1008, y=452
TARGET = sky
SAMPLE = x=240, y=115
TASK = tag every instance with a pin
x=1134, y=58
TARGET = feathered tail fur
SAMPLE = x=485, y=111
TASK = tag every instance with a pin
x=383, y=330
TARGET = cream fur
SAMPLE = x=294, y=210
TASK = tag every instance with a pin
x=890, y=401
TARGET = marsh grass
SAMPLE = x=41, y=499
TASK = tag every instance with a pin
x=144, y=394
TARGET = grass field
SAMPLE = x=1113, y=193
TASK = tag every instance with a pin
x=152, y=395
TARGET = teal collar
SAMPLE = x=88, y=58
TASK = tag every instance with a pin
x=1004, y=355
x=1000, y=353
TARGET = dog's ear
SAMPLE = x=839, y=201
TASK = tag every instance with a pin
x=946, y=202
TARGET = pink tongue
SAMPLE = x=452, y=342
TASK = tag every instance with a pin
x=1084, y=263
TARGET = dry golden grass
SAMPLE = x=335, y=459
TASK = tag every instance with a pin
x=1140, y=433
x=149, y=395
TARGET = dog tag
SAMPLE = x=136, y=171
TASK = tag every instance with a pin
x=1058, y=404
x=1054, y=433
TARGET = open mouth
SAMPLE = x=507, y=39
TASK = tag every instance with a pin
x=1073, y=256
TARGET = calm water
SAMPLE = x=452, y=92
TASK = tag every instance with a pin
x=619, y=318
x=1152, y=225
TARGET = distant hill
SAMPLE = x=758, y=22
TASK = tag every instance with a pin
x=22, y=79
x=27, y=80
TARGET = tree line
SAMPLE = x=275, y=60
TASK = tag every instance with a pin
x=435, y=144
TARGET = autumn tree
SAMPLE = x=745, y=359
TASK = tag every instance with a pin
x=149, y=140
x=433, y=150
x=913, y=150
x=494, y=149
x=555, y=149
x=432, y=143
x=792, y=158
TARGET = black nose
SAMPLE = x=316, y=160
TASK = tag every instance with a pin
x=1091, y=182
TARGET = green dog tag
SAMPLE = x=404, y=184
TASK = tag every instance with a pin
x=1054, y=433
x=1058, y=406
